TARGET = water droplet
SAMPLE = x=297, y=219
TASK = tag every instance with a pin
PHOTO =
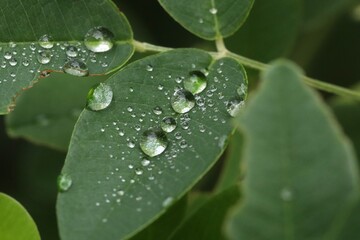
x=168, y=124
x=149, y=68
x=76, y=67
x=12, y=44
x=182, y=101
x=131, y=144
x=157, y=110
x=13, y=62
x=45, y=41
x=213, y=10
x=234, y=106
x=183, y=144
x=99, y=97
x=64, y=182
x=196, y=83
x=242, y=90
x=25, y=63
x=44, y=57
x=153, y=142
x=145, y=162
x=138, y=171
x=99, y=39
x=71, y=51
x=7, y=55
x=286, y=194
x=167, y=201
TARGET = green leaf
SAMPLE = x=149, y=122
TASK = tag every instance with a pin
x=206, y=222
x=301, y=171
x=163, y=226
x=270, y=31
x=15, y=222
x=211, y=19
x=231, y=172
x=47, y=114
x=24, y=22
x=104, y=156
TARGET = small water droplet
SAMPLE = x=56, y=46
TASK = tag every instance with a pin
x=234, y=106
x=157, y=110
x=145, y=162
x=286, y=194
x=183, y=144
x=76, y=67
x=99, y=97
x=149, y=68
x=71, y=51
x=64, y=182
x=168, y=124
x=242, y=90
x=99, y=39
x=25, y=63
x=7, y=55
x=213, y=10
x=12, y=44
x=131, y=144
x=44, y=57
x=182, y=101
x=45, y=41
x=138, y=171
x=153, y=142
x=167, y=202
x=13, y=62
x=196, y=83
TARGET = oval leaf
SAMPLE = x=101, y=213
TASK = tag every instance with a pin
x=301, y=172
x=26, y=22
x=15, y=221
x=115, y=193
x=210, y=19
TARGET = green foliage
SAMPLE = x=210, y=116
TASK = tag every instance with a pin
x=15, y=222
x=146, y=147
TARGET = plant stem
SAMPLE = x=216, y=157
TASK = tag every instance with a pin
x=222, y=52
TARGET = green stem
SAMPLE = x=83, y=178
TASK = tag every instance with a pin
x=222, y=52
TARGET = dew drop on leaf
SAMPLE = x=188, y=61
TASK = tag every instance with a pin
x=99, y=39
x=213, y=10
x=45, y=41
x=157, y=110
x=196, y=82
x=234, y=106
x=153, y=142
x=64, y=182
x=71, y=51
x=7, y=55
x=99, y=97
x=182, y=101
x=168, y=124
x=44, y=57
x=76, y=67
x=167, y=202
x=242, y=90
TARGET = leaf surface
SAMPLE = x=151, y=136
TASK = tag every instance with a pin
x=301, y=172
x=114, y=194
x=15, y=221
x=24, y=22
x=209, y=19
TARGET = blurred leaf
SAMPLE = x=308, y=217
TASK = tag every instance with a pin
x=231, y=172
x=47, y=114
x=317, y=13
x=301, y=172
x=209, y=19
x=270, y=31
x=206, y=222
x=15, y=222
x=24, y=22
x=164, y=225
x=104, y=157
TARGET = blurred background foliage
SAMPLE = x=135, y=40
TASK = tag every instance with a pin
x=322, y=36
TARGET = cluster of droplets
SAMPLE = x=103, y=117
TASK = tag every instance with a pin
x=71, y=57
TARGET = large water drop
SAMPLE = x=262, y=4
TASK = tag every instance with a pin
x=76, y=67
x=196, y=82
x=99, y=39
x=99, y=97
x=153, y=142
x=182, y=101
x=44, y=57
x=168, y=124
x=45, y=41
